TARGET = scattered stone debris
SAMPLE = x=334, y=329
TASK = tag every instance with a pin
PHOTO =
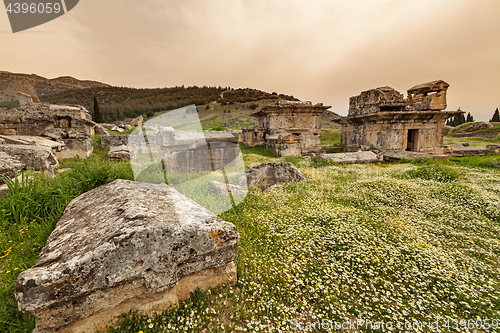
x=287, y=128
x=117, y=129
x=269, y=174
x=382, y=118
x=122, y=246
x=9, y=166
x=39, y=157
x=461, y=150
x=362, y=157
x=119, y=153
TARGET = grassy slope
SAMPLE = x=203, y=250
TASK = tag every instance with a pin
x=389, y=242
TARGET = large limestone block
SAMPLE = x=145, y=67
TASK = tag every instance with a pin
x=269, y=174
x=119, y=153
x=9, y=166
x=459, y=150
x=114, y=140
x=352, y=158
x=39, y=157
x=125, y=245
x=82, y=148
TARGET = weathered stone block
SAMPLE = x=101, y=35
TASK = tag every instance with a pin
x=119, y=153
x=363, y=157
x=38, y=157
x=125, y=245
x=269, y=174
x=82, y=148
x=9, y=166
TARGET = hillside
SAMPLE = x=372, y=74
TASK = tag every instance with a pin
x=11, y=83
x=119, y=103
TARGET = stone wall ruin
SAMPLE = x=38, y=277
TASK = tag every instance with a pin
x=70, y=125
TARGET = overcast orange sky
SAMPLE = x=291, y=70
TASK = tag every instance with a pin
x=318, y=50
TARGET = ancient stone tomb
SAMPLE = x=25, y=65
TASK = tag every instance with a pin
x=70, y=125
x=382, y=118
x=287, y=128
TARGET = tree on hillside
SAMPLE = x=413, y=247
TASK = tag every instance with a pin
x=456, y=121
x=470, y=118
x=496, y=117
x=97, y=116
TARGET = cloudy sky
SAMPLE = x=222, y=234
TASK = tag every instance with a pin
x=319, y=50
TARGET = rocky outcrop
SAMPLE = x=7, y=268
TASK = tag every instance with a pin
x=125, y=245
x=269, y=174
x=39, y=157
x=362, y=157
x=9, y=166
x=478, y=126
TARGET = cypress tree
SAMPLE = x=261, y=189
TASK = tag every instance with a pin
x=496, y=117
x=98, y=118
x=470, y=118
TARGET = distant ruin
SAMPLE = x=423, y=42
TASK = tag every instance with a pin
x=382, y=118
x=70, y=125
x=287, y=128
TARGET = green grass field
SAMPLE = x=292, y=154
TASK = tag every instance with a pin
x=394, y=242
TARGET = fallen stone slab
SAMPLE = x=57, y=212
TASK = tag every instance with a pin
x=459, y=150
x=33, y=141
x=397, y=155
x=117, y=129
x=39, y=157
x=99, y=129
x=9, y=166
x=269, y=174
x=125, y=245
x=352, y=158
x=119, y=153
